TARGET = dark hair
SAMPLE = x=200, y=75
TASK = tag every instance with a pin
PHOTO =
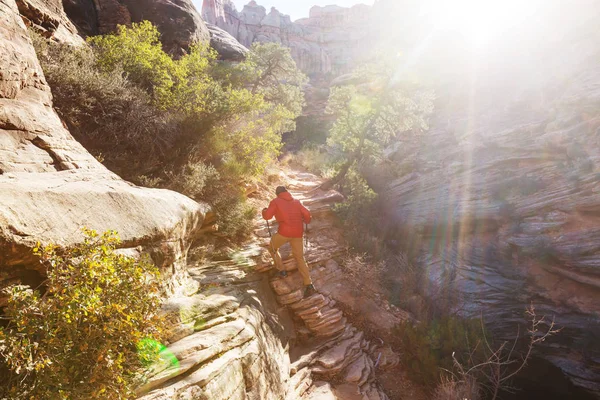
x=280, y=189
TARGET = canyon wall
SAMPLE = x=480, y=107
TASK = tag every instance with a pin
x=52, y=187
x=331, y=41
x=499, y=200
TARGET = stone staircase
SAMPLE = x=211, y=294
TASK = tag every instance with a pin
x=249, y=334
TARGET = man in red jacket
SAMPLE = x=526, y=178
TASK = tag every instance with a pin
x=290, y=214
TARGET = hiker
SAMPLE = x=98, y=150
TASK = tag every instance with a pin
x=290, y=214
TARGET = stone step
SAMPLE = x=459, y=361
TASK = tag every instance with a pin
x=309, y=313
x=316, y=300
x=337, y=354
x=291, y=298
x=330, y=317
x=322, y=391
x=359, y=371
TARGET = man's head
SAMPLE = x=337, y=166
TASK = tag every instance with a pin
x=280, y=189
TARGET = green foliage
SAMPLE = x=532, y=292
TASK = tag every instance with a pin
x=427, y=347
x=317, y=160
x=137, y=51
x=77, y=339
x=270, y=71
x=204, y=183
x=104, y=111
x=372, y=113
x=359, y=211
x=310, y=130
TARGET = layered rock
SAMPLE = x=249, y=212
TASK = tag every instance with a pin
x=48, y=18
x=500, y=198
x=52, y=187
x=331, y=40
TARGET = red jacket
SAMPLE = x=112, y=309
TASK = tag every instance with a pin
x=289, y=213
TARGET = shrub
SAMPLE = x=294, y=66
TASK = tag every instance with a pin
x=310, y=130
x=359, y=212
x=450, y=389
x=104, y=111
x=77, y=338
x=316, y=160
x=428, y=346
x=195, y=179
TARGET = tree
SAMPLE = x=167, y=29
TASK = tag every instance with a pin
x=270, y=70
x=501, y=364
x=372, y=111
x=79, y=338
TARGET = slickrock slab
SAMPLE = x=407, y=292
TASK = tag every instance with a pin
x=299, y=384
x=360, y=371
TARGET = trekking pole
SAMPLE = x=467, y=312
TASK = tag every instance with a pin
x=269, y=228
x=306, y=236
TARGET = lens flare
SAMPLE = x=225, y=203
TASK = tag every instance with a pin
x=153, y=354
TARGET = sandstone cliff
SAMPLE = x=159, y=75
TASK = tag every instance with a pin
x=331, y=40
x=52, y=187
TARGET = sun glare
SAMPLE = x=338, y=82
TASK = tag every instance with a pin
x=480, y=21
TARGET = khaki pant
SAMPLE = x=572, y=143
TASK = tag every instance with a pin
x=297, y=250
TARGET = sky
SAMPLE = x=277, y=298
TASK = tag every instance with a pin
x=299, y=8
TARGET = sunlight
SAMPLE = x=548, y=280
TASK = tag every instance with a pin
x=480, y=21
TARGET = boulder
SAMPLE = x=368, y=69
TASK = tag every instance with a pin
x=227, y=46
x=178, y=21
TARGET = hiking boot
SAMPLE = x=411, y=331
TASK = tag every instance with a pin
x=309, y=290
x=283, y=274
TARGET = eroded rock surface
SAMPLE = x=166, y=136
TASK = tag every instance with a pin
x=501, y=197
x=228, y=48
x=51, y=186
x=48, y=18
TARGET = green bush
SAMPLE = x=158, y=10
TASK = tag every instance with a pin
x=427, y=347
x=204, y=183
x=106, y=112
x=359, y=212
x=316, y=160
x=76, y=338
